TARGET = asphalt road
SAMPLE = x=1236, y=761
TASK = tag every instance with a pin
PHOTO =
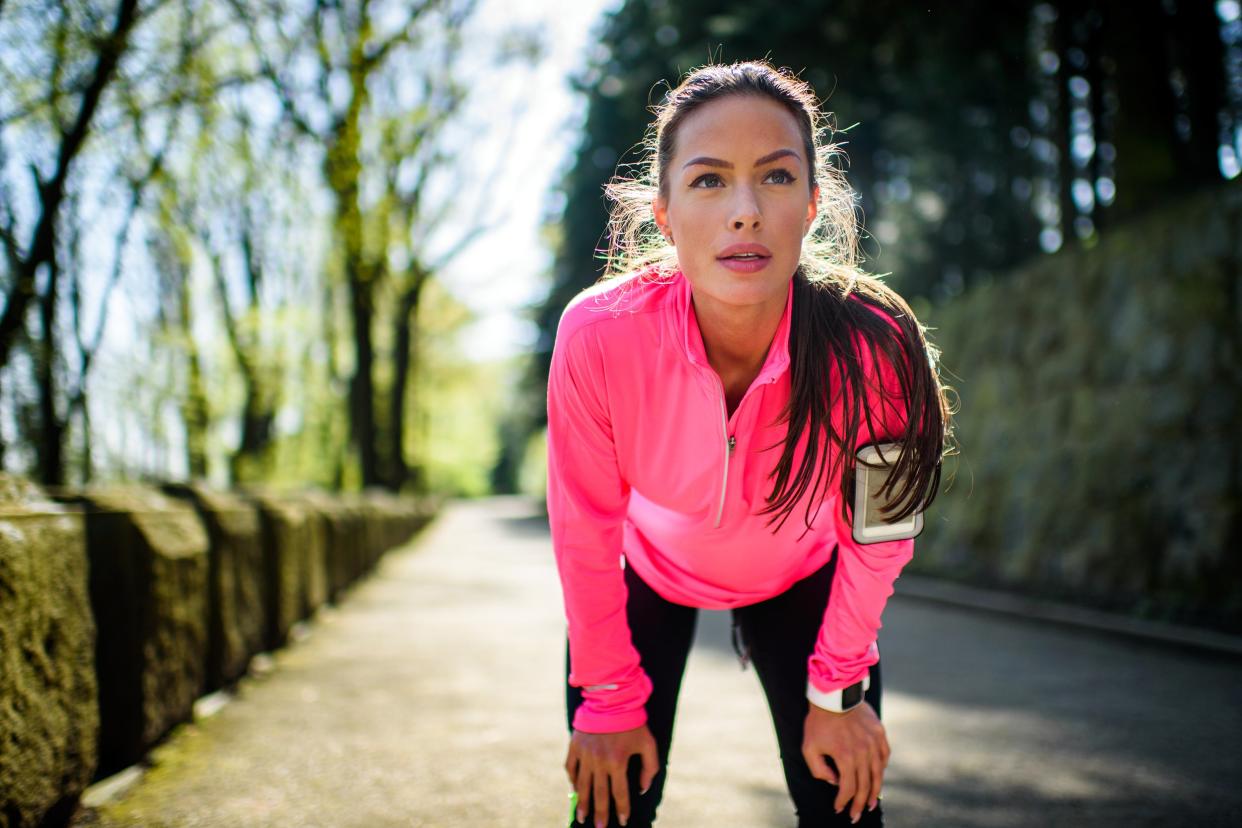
x=434, y=696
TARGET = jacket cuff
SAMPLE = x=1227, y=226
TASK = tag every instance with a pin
x=590, y=722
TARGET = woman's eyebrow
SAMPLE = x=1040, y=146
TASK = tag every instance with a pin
x=708, y=161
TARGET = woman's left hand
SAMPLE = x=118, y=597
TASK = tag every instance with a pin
x=857, y=744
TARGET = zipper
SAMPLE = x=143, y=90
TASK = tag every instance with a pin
x=729, y=443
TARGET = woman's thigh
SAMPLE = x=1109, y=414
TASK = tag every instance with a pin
x=662, y=633
x=780, y=635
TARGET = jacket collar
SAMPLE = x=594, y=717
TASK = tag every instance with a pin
x=691, y=338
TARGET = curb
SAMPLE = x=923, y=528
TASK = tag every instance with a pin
x=925, y=588
x=113, y=788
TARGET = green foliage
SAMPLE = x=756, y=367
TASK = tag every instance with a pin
x=533, y=478
x=457, y=404
x=956, y=119
x=285, y=183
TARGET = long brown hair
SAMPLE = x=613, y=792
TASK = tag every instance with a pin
x=838, y=309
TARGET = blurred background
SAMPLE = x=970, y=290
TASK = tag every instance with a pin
x=325, y=243
x=253, y=247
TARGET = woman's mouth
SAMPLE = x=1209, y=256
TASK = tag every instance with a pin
x=744, y=262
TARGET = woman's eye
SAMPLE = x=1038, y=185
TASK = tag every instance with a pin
x=713, y=181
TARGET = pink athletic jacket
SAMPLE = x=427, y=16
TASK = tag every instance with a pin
x=646, y=469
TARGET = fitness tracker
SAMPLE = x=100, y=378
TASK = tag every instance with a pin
x=842, y=699
x=872, y=466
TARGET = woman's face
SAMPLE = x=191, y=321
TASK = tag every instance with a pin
x=738, y=176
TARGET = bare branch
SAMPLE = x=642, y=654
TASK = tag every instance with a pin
x=54, y=92
x=413, y=200
x=51, y=193
x=201, y=95
x=137, y=187
x=8, y=233
x=8, y=221
x=11, y=252
x=374, y=56
x=79, y=84
x=485, y=194
x=269, y=71
x=321, y=50
x=230, y=321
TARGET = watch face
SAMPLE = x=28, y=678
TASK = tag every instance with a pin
x=852, y=695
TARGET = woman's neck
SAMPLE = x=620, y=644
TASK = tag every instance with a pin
x=736, y=339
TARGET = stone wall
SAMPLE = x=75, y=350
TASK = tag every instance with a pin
x=49, y=716
x=121, y=605
x=1100, y=410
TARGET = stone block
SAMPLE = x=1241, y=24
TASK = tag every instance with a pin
x=336, y=529
x=148, y=591
x=235, y=578
x=49, y=715
x=285, y=560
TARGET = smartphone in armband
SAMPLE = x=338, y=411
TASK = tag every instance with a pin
x=872, y=466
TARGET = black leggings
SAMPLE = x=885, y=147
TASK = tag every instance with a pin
x=779, y=634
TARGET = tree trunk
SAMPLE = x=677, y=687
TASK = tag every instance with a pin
x=88, y=468
x=343, y=171
x=1200, y=55
x=405, y=361
x=1137, y=38
x=251, y=460
x=1069, y=17
x=1101, y=116
x=253, y=456
x=51, y=429
x=194, y=410
x=328, y=435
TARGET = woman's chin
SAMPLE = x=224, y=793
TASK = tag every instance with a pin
x=742, y=289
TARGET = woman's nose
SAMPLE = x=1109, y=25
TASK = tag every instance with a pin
x=746, y=210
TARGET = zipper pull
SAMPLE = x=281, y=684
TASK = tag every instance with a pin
x=732, y=441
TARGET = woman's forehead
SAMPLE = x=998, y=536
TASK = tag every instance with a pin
x=737, y=127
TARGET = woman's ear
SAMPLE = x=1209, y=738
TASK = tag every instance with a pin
x=659, y=210
x=812, y=210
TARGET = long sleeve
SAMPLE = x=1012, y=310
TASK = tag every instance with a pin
x=865, y=573
x=587, y=500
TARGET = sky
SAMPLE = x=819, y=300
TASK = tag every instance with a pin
x=508, y=267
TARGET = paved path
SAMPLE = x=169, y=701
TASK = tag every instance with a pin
x=434, y=697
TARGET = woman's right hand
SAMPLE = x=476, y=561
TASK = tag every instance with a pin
x=597, y=761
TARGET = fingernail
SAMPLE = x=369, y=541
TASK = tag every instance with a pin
x=644, y=790
x=855, y=817
x=581, y=816
x=599, y=823
x=871, y=807
x=624, y=820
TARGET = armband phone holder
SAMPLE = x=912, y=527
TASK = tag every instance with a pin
x=872, y=466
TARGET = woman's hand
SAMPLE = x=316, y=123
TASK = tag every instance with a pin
x=857, y=744
x=597, y=760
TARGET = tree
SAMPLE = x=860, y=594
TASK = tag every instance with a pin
x=976, y=134
x=76, y=71
x=338, y=109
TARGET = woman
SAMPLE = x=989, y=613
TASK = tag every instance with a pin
x=735, y=341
